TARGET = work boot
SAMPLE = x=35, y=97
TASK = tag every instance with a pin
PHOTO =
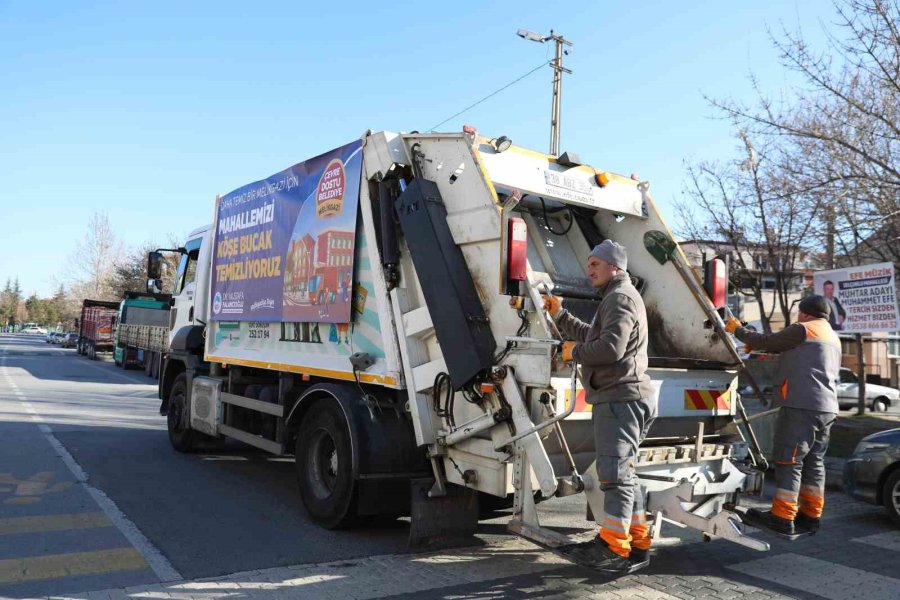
x=639, y=558
x=805, y=523
x=596, y=554
x=769, y=521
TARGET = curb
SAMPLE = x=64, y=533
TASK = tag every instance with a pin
x=834, y=473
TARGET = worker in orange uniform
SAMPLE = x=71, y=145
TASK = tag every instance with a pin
x=808, y=370
x=612, y=351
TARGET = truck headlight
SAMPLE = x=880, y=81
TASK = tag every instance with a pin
x=863, y=447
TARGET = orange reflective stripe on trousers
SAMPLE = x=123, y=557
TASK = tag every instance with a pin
x=812, y=501
x=615, y=534
x=785, y=504
x=640, y=532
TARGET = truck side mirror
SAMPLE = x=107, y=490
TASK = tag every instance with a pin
x=154, y=265
x=154, y=286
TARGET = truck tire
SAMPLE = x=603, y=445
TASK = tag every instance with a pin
x=890, y=496
x=324, y=464
x=180, y=436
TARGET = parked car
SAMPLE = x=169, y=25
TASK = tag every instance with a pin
x=70, y=340
x=878, y=397
x=872, y=473
x=34, y=330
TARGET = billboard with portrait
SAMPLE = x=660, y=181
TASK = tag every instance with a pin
x=862, y=299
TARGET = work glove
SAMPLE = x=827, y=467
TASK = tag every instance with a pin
x=732, y=324
x=567, y=349
x=552, y=304
x=747, y=349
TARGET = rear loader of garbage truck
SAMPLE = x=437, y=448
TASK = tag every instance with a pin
x=375, y=312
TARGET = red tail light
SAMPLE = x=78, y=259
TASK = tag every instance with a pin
x=715, y=280
x=517, y=259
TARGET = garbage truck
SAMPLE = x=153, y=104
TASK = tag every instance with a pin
x=375, y=313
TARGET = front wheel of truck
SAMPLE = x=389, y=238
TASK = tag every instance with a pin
x=324, y=464
x=180, y=435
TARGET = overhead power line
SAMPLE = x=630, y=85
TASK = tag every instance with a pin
x=492, y=94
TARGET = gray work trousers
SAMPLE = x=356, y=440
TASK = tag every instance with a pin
x=619, y=428
x=801, y=439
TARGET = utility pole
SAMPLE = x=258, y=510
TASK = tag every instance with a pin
x=861, y=362
x=558, y=69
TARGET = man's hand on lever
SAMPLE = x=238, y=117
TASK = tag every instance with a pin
x=552, y=304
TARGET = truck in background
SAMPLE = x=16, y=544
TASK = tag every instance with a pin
x=142, y=331
x=96, y=327
x=427, y=374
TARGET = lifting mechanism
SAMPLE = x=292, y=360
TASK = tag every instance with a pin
x=680, y=495
x=689, y=482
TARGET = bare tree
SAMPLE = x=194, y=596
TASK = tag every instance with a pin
x=749, y=209
x=842, y=126
x=92, y=262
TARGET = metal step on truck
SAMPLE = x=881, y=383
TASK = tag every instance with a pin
x=375, y=312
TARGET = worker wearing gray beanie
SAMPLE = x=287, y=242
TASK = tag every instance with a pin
x=612, y=350
x=612, y=253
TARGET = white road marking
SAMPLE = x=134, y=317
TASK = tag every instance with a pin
x=888, y=541
x=154, y=558
x=827, y=579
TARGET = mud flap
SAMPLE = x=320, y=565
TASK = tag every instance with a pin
x=750, y=520
x=447, y=521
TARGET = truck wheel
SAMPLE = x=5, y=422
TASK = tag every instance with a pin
x=880, y=404
x=323, y=460
x=180, y=436
x=890, y=495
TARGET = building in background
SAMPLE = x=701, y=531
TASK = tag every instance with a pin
x=759, y=271
x=882, y=356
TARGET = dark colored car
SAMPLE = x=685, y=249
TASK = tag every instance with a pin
x=70, y=340
x=872, y=473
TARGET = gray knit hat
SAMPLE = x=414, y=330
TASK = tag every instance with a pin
x=612, y=253
x=815, y=306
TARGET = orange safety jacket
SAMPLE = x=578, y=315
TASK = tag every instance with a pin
x=809, y=366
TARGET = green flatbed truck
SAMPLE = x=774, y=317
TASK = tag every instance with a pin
x=142, y=331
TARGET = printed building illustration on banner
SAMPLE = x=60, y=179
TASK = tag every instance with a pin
x=318, y=277
x=284, y=246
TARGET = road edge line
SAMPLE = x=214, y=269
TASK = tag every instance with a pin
x=158, y=563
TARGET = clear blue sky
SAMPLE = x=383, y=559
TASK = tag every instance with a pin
x=148, y=110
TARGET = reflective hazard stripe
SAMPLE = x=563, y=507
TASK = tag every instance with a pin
x=812, y=491
x=786, y=495
x=614, y=524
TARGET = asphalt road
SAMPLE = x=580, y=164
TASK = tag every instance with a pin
x=92, y=497
x=208, y=514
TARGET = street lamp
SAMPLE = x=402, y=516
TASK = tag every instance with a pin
x=558, y=70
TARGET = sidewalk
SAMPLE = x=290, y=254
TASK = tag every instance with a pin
x=371, y=577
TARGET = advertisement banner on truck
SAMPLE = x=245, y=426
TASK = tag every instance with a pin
x=862, y=299
x=284, y=246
